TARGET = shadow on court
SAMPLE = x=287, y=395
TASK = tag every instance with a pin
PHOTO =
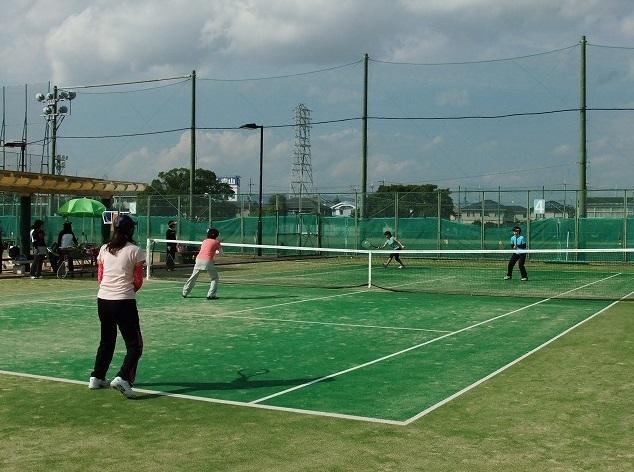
x=242, y=382
x=242, y=297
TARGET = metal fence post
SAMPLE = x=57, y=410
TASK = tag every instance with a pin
x=147, y=218
x=528, y=218
x=438, y=224
x=209, y=209
x=482, y=196
x=395, y=213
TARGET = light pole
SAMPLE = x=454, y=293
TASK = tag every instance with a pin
x=259, y=235
x=54, y=115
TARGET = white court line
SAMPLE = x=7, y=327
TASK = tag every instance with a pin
x=314, y=412
x=510, y=364
x=277, y=320
x=368, y=419
x=389, y=356
x=232, y=314
x=286, y=275
x=93, y=294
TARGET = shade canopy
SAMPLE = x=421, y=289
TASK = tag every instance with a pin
x=82, y=207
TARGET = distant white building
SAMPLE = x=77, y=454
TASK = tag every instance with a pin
x=343, y=209
x=234, y=183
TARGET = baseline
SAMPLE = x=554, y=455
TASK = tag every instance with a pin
x=368, y=419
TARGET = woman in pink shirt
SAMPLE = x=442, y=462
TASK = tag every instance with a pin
x=120, y=276
x=205, y=261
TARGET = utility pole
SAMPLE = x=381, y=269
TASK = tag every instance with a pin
x=364, y=140
x=192, y=165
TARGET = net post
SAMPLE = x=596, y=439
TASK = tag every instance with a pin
x=369, y=269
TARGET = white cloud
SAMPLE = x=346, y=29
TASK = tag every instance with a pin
x=453, y=98
x=96, y=41
x=563, y=150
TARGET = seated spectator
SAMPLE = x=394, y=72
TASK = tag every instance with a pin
x=66, y=241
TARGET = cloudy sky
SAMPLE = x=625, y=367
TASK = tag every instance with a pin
x=257, y=60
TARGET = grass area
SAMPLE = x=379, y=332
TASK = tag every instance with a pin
x=568, y=407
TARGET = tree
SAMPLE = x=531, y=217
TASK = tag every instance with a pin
x=413, y=200
x=277, y=203
x=175, y=182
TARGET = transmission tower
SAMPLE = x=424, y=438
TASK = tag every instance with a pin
x=302, y=171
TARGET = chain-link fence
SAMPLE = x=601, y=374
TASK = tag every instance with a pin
x=457, y=219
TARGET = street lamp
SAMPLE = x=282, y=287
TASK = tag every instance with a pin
x=22, y=146
x=259, y=235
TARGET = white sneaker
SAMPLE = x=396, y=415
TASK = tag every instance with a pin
x=524, y=279
x=123, y=386
x=96, y=383
x=507, y=277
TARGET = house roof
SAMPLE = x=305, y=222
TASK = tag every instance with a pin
x=342, y=204
x=308, y=203
x=492, y=205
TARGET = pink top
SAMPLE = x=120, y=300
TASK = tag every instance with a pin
x=118, y=272
x=208, y=250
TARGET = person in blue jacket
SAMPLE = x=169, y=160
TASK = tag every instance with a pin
x=518, y=242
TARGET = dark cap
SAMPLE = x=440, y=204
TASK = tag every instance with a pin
x=171, y=222
x=125, y=224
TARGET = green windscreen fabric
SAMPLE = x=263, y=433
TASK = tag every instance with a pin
x=348, y=232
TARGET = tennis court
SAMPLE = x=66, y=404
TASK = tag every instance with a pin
x=386, y=354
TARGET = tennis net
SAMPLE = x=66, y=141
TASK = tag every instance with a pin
x=567, y=273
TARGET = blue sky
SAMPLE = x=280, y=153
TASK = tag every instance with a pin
x=91, y=42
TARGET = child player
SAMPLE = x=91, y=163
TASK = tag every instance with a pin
x=395, y=244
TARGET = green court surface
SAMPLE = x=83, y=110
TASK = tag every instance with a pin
x=359, y=353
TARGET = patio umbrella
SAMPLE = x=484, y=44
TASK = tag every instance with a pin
x=82, y=207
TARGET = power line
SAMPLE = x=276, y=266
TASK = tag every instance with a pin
x=116, y=84
x=137, y=90
x=128, y=135
x=484, y=61
x=299, y=74
x=386, y=118
x=611, y=109
x=473, y=117
x=610, y=47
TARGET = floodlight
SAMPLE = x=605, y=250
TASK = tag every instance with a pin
x=50, y=96
x=63, y=109
x=71, y=94
x=250, y=126
x=63, y=94
x=39, y=97
x=47, y=110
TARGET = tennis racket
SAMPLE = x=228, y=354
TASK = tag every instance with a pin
x=367, y=244
x=62, y=271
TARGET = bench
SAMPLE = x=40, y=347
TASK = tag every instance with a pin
x=20, y=266
x=186, y=257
